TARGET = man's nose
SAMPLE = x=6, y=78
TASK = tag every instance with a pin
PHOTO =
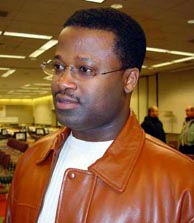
x=66, y=79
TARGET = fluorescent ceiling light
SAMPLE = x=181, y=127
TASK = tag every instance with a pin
x=49, y=78
x=12, y=56
x=16, y=93
x=32, y=88
x=180, y=53
x=161, y=64
x=172, y=62
x=32, y=92
x=190, y=21
x=4, y=68
x=36, y=53
x=156, y=50
x=49, y=44
x=43, y=92
x=43, y=48
x=24, y=90
x=97, y=1
x=10, y=92
x=8, y=73
x=0, y=32
x=42, y=84
x=26, y=85
x=40, y=91
x=27, y=35
x=116, y=6
x=183, y=59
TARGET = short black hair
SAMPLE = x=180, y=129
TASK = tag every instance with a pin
x=130, y=42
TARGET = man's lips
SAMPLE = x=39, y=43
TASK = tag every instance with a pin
x=66, y=102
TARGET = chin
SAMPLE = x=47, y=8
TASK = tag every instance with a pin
x=67, y=121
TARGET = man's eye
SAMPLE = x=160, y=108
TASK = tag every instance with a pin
x=58, y=67
x=86, y=71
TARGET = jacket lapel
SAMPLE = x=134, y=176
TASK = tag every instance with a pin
x=117, y=164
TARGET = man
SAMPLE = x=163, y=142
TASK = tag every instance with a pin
x=102, y=168
x=152, y=125
x=186, y=139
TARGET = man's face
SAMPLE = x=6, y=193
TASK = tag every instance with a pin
x=154, y=112
x=97, y=102
x=189, y=112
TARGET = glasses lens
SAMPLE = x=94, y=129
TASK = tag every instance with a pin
x=47, y=67
x=55, y=67
x=83, y=72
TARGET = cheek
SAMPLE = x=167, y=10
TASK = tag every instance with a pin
x=104, y=97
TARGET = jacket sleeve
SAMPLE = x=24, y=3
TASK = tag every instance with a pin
x=8, y=214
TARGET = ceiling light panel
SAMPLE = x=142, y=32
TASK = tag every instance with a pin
x=43, y=48
x=26, y=35
x=183, y=60
x=158, y=50
x=96, y=1
x=161, y=64
x=12, y=56
x=117, y=6
x=190, y=21
x=180, y=53
x=42, y=84
x=8, y=73
x=4, y=68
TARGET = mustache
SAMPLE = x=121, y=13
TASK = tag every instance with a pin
x=67, y=93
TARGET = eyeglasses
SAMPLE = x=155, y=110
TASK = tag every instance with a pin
x=56, y=68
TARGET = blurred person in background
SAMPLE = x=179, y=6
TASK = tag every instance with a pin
x=186, y=138
x=152, y=124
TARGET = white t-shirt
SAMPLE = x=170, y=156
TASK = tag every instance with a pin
x=74, y=154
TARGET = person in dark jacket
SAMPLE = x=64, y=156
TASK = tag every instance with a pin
x=152, y=125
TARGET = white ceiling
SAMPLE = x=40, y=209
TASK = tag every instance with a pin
x=164, y=22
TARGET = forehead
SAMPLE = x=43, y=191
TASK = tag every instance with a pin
x=155, y=109
x=89, y=42
x=188, y=109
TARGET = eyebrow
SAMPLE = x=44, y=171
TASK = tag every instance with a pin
x=57, y=57
x=82, y=59
x=89, y=60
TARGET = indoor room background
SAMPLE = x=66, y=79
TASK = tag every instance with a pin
x=170, y=91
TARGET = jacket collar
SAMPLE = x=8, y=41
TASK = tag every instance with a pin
x=51, y=144
x=118, y=162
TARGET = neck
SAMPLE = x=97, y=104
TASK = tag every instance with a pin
x=102, y=133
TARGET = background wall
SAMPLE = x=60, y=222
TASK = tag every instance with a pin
x=176, y=91
x=43, y=111
x=23, y=112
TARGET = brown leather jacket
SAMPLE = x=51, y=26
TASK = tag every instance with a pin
x=138, y=180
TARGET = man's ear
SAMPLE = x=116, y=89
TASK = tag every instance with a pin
x=131, y=77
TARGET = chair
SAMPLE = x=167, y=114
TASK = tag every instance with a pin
x=6, y=161
x=16, y=144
